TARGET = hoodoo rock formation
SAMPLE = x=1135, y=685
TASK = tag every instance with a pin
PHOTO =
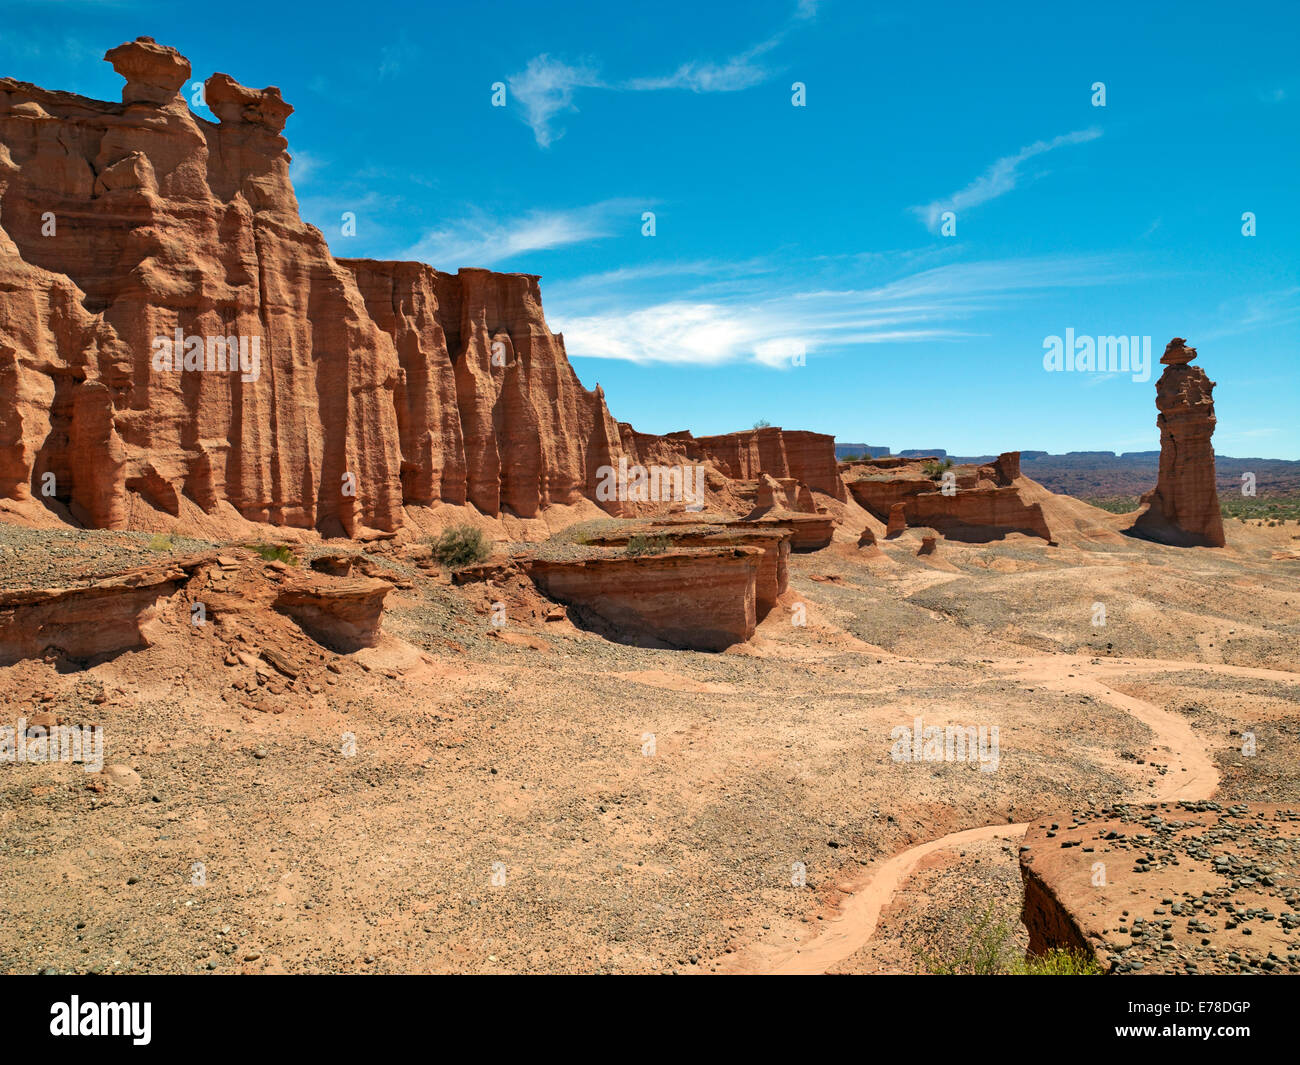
x=176, y=342
x=1183, y=508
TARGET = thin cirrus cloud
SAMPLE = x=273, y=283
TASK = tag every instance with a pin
x=547, y=86
x=480, y=240
x=772, y=325
x=998, y=179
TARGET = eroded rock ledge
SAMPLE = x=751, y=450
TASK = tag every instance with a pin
x=703, y=599
x=128, y=611
x=1189, y=887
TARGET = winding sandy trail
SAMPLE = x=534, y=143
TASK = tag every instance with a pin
x=1191, y=774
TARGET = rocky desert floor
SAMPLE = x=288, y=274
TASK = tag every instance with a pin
x=535, y=798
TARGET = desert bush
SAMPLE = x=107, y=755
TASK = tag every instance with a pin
x=461, y=545
x=162, y=542
x=936, y=469
x=762, y=423
x=1059, y=962
x=982, y=948
x=276, y=553
x=642, y=544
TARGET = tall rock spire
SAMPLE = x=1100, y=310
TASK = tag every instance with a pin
x=1183, y=508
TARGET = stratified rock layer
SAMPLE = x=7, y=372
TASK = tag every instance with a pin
x=1183, y=508
x=376, y=386
x=981, y=503
x=703, y=599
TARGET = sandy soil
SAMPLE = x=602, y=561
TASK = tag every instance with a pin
x=538, y=799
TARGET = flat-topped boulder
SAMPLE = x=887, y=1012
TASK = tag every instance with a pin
x=702, y=599
x=342, y=613
x=808, y=532
x=773, y=540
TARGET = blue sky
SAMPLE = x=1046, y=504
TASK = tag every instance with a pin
x=781, y=228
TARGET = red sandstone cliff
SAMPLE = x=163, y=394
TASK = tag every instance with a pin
x=377, y=386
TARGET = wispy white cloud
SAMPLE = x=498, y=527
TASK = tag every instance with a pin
x=709, y=334
x=546, y=87
x=770, y=324
x=998, y=179
x=480, y=240
x=1263, y=309
x=738, y=72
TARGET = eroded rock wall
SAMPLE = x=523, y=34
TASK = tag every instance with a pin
x=333, y=393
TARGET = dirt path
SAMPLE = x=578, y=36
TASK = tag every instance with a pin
x=1191, y=774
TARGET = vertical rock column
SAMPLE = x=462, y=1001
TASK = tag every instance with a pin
x=1183, y=508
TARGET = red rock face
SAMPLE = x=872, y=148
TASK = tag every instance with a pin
x=489, y=409
x=704, y=599
x=1183, y=508
x=364, y=386
x=806, y=457
x=897, y=521
x=987, y=501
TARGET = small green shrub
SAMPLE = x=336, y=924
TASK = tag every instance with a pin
x=1060, y=962
x=762, y=423
x=642, y=544
x=162, y=542
x=276, y=553
x=461, y=545
x=936, y=469
x=982, y=949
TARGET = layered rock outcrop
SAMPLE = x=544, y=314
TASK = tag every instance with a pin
x=693, y=598
x=114, y=614
x=774, y=541
x=129, y=610
x=1183, y=508
x=979, y=503
x=176, y=341
x=782, y=454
